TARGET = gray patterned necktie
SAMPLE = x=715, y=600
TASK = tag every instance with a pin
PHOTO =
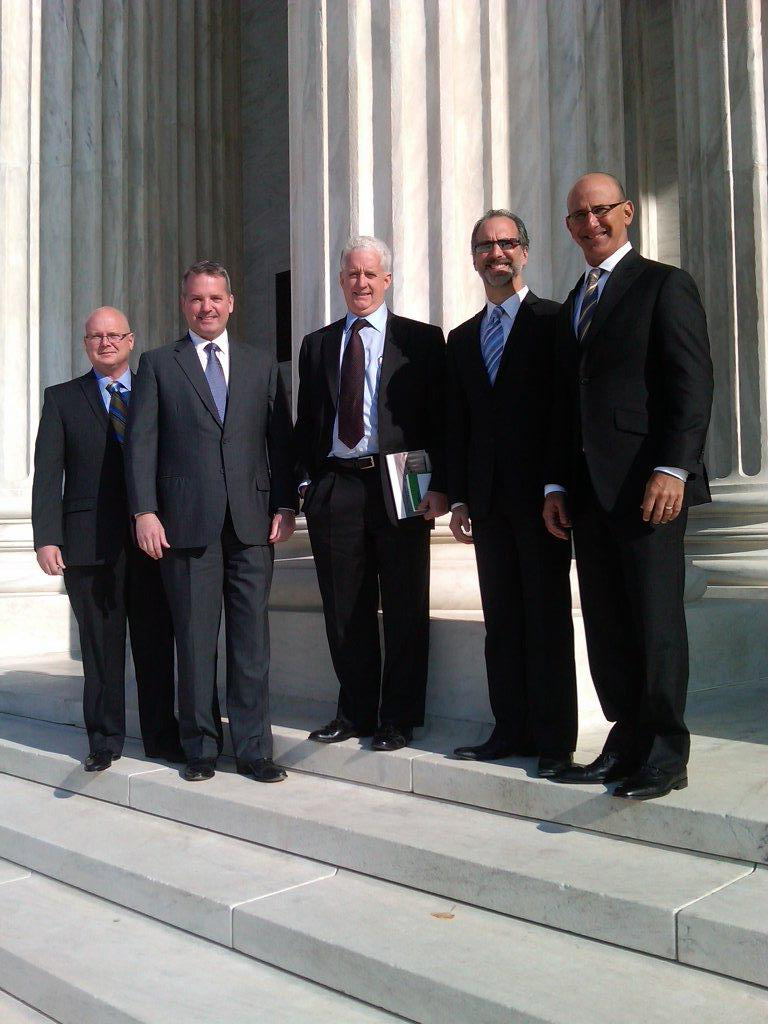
x=214, y=374
x=588, y=303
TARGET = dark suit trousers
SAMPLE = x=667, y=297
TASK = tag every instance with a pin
x=196, y=580
x=359, y=554
x=102, y=598
x=631, y=580
x=526, y=595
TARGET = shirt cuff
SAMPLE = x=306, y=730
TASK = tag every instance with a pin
x=286, y=509
x=681, y=474
x=458, y=504
x=554, y=489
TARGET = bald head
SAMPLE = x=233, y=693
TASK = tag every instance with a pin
x=108, y=341
x=599, y=215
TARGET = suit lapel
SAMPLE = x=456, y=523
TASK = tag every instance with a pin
x=239, y=382
x=331, y=349
x=521, y=329
x=92, y=392
x=187, y=358
x=475, y=350
x=619, y=280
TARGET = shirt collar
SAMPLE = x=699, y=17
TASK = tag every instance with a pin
x=377, y=319
x=510, y=305
x=222, y=341
x=124, y=380
x=610, y=263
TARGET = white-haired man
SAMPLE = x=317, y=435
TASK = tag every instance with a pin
x=371, y=384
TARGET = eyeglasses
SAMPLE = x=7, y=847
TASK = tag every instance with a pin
x=580, y=216
x=113, y=339
x=505, y=244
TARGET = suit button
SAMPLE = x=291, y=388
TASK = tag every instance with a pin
x=583, y=380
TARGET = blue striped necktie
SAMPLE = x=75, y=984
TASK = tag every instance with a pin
x=217, y=382
x=118, y=409
x=588, y=303
x=492, y=343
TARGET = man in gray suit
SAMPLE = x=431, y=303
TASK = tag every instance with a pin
x=209, y=463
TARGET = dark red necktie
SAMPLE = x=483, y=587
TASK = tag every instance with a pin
x=352, y=387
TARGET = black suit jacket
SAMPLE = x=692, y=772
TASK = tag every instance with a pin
x=498, y=435
x=637, y=392
x=185, y=465
x=89, y=518
x=411, y=399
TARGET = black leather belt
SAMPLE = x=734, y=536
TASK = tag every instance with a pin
x=352, y=465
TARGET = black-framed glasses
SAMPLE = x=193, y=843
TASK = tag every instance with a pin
x=505, y=244
x=113, y=339
x=580, y=216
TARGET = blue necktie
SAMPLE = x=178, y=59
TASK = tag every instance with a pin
x=492, y=344
x=214, y=374
x=118, y=409
x=588, y=303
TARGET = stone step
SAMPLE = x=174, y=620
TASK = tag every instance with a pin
x=622, y=892
x=446, y=963
x=184, y=876
x=87, y=961
x=14, y=1012
x=723, y=812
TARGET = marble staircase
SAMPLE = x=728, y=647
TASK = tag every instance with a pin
x=377, y=887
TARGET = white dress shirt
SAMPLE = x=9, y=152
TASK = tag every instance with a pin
x=373, y=346
x=608, y=265
x=106, y=396
x=222, y=341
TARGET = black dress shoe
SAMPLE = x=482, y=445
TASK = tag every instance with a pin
x=390, y=737
x=263, y=769
x=336, y=731
x=649, y=782
x=495, y=748
x=551, y=767
x=99, y=760
x=607, y=767
x=198, y=769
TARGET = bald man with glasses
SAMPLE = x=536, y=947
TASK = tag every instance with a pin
x=633, y=392
x=82, y=532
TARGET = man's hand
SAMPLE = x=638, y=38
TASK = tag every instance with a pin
x=283, y=525
x=434, y=504
x=150, y=535
x=461, y=525
x=555, y=512
x=50, y=561
x=663, y=498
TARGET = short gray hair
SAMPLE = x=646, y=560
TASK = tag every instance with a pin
x=372, y=245
x=521, y=228
x=212, y=268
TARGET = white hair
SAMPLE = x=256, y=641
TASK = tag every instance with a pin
x=370, y=243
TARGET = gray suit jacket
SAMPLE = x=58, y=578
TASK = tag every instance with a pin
x=186, y=465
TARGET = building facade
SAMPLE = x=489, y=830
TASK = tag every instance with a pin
x=139, y=135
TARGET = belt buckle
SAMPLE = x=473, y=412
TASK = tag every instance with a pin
x=365, y=462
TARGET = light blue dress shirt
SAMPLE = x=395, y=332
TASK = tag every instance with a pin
x=124, y=382
x=373, y=344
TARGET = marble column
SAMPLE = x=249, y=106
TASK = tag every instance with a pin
x=20, y=53
x=719, y=47
x=409, y=119
x=119, y=165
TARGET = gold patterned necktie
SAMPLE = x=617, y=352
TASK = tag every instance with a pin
x=118, y=409
x=588, y=303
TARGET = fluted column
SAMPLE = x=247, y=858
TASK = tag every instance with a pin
x=409, y=119
x=724, y=231
x=20, y=46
